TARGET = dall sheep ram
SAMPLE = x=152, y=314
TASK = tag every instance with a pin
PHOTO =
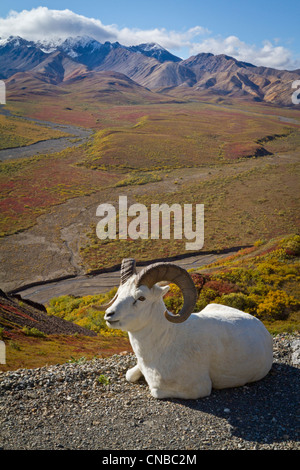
x=188, y=354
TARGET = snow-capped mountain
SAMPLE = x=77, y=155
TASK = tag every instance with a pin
x=18, y=54
x=155, y=50
x=80, y=46
x=149, y=65
x=133, y=61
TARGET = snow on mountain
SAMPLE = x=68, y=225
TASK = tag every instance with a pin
x=18, y=55
x=68, y=45
x=148, y=64
x=3, y=41
x=15, y=41
x=80, y=47
x=49, y=45
x=155, y=50
x=73, y=46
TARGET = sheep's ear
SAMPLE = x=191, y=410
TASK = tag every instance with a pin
x=160, y=290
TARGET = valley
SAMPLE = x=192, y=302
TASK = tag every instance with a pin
x=80, y=132
x=49, y=200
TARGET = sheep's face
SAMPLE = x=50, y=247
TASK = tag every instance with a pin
x=134, y=306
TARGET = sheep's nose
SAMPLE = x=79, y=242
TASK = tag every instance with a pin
x=108, y=315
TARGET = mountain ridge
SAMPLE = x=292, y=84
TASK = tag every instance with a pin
x=149, y=65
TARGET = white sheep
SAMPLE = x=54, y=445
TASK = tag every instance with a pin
x=185, y=355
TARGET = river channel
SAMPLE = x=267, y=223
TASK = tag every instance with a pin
x=93, y=284
x=76, y=136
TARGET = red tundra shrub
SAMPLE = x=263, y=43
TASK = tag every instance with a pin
x=221, y=287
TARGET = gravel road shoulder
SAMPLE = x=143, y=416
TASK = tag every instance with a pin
x=90, y=406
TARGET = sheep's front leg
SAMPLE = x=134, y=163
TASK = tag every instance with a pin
x=133, y=374
x=192, y=392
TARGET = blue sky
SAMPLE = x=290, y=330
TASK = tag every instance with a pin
x=261, y=32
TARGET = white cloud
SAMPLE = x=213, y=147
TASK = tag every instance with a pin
x=268, y=55
x=42, y=23
x=168, y=39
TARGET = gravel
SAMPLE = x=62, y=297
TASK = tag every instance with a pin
x=90, y=406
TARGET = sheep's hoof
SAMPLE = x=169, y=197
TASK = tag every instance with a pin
x=133, y=374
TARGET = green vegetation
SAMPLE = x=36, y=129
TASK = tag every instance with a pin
x=80, y=360
x=30, y=187
x=103, y=380
x=81, y=311
x=239, y=160
x=265, y=207
x=172, y=139
x=138, y=179
x=262, y=280
x=33, y=332
x=188, y=151
x=14, y=346
x=29, y=352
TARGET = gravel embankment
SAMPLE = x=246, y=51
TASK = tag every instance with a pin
x=67, y=407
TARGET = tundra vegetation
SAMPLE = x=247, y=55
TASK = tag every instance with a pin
x=262, y=280
x=200, y=151
x=16, y=132
x=238, y=159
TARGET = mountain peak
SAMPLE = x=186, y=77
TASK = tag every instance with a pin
x=150, y=46
x=68, y=45
x=81, y=41
x=153, y=49
x=15, y=41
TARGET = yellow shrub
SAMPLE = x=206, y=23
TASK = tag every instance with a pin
x=276, y=305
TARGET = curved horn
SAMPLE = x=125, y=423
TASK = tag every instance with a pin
x=128, y=268
x=170, y=272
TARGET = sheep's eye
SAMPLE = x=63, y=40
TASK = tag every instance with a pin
x=142, y=298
